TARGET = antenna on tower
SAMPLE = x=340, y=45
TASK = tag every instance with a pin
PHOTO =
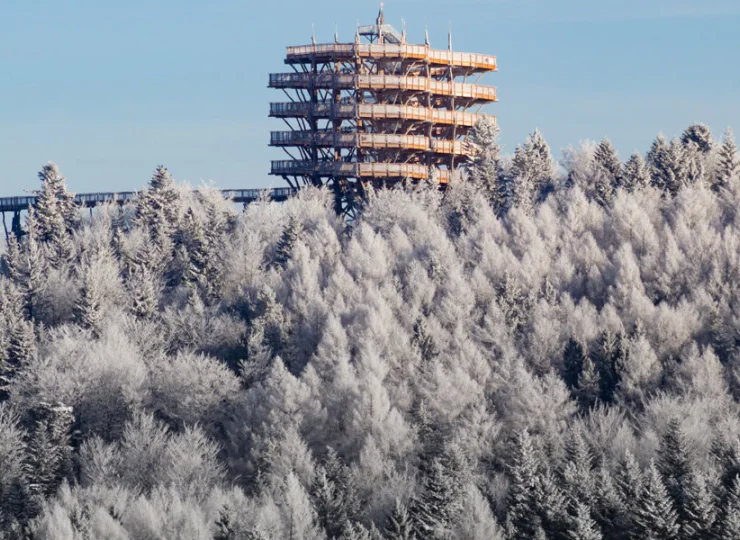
x=336, y=33
x=449, y=37
x=403, y=31
x=426, y=33
x=357, y=33
x=379, y=23
x=313, y=34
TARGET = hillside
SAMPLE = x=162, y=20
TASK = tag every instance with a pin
x=539, y=352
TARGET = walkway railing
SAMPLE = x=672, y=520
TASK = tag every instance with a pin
x=392, y=51
x=383, y=82
x=88, y=200
x=372, y=111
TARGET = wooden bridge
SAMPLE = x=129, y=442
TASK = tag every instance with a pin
x=16, y=205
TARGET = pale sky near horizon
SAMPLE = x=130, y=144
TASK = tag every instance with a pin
x=108, y=90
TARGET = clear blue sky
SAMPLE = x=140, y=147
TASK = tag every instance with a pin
x=108, y=90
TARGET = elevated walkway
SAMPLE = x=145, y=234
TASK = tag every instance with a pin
x=373, y=111
x=375, y=141
x=334, y=52
x=413, y=171
x=89, y=200
x=473, y=93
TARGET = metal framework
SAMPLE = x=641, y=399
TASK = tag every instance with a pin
x=376, y=112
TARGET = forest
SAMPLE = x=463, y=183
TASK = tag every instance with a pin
x=548, y=349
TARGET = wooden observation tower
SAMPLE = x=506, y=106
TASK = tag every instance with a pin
x=376, y=112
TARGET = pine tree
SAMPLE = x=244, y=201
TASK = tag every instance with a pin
x=589, y=385
x=522, y=519
x=674, y=464
x=604, y=187
x=190, y=247
x=636, y=174
x=630, y=486
x=609, y=357
x=49, y=220
x=573, y=356
x=284, y=248
x=728, y=167
x=44, y=456
x=157, y=209
x=532, y=171
x=583, y=526
x=551, y=504
x=485, y=167
x=354, y=531
x=144, y=293
x=89, y=309
x=609, y=511
x=400, y=526
x=700, y=135
x=423, y=340
x=699, y=509
x=607, y=160
x=673, y=165
x=578, y=477
x=434, y=511
x=329, y=509
x=728, y=524
x=655, y=515
x=17, y=338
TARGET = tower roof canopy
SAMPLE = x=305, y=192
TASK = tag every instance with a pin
x=390, y=34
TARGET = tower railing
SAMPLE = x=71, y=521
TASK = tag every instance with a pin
x=382, y=82
x=373, y=111
x=392, y=51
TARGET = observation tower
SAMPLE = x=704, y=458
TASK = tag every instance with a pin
x=376, y=111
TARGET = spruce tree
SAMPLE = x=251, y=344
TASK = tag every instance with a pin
x=636, y=174
x=604, y=186
x=728, y=524
x=609, y=357
x=700, y=135
x=400, y=526
x=589, y=385
x=674, y=464
x=630, y=486
x=583, y=526
x=485, y=167
x=522, y=519
x=329, y=509
x=157, y=209
x=728, y=167
x=609, y=510
x=573, y=356
x=578, y=477
x=89, y=308
x=532, y=171
x=699, y=511
x=607, y=160
x=655, y=515
x=284, y=248
x=435, y=510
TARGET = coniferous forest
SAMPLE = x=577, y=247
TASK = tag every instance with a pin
x=545, y=350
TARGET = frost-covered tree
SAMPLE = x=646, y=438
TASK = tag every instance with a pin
x=485, y=170
x=655, y=515
x=700, y=135
x=157, y=208
x=584, y=527
x=532, y=171
x=636, y=174
x=607, y=160
x=400, y=525
x=728, y=166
